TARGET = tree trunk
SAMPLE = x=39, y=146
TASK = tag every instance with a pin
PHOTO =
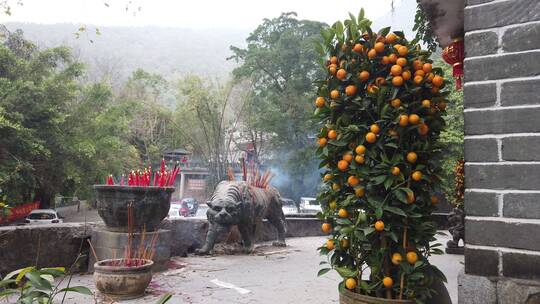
x=45, y=198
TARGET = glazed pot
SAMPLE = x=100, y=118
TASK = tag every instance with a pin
x=150, y=206
x=122, y=282
x=348, y=297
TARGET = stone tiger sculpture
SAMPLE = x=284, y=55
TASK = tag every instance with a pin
x=237, y=203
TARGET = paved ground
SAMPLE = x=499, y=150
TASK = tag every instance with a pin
x=271, y=275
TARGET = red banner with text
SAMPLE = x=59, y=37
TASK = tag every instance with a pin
x=19, y=212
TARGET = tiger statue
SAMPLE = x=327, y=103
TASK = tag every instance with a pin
x=238, y=203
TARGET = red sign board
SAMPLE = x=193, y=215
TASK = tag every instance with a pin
x=19, y=212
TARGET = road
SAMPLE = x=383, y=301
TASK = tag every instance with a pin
x=270, y=275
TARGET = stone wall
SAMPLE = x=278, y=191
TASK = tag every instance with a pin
x=47, y=246
x=59, y=244
x=502, y=151
x=190, y=233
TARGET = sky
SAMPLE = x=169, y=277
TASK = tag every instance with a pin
x=195, y=14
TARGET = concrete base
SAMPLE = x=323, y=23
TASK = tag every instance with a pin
x=109, y=245
x=496, y=290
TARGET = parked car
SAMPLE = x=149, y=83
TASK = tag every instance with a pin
x=288, y=206
x=192, y=205
x=309, y=205
x=175, y=211
x=184, y=209
x=43, y=216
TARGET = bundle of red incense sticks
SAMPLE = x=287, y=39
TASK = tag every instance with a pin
x=145, y=178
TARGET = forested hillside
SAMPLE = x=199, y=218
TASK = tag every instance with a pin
x=118, y=51
x=171, y=52
x=67, y=128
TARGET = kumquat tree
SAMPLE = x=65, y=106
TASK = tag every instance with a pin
x=380, y=110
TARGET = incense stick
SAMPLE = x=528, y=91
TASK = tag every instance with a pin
x=93, y=251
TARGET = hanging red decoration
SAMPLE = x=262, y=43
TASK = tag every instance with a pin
x=454, y=54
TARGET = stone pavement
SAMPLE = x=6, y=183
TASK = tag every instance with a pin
x=270, y=275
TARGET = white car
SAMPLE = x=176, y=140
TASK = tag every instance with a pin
x=309, y=205
x=43, y=216
x=174, y=211
x=288, y=206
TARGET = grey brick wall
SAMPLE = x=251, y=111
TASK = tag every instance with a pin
x=502, y=138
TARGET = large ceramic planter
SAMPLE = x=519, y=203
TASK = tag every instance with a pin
x=348, y=297
x=150, y=206
x=441, y=296
x=122, y=282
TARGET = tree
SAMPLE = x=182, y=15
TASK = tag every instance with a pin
x=453, y=136
x=424, y=31
x=58, y=136
x=150, y=126
x=36, y=88
x=202, y=123
x=6, y=5
x=380, y=109
x=248, y=132
x=280, y=62
x=99, y=130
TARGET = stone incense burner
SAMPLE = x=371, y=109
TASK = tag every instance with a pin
x=150, y=205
